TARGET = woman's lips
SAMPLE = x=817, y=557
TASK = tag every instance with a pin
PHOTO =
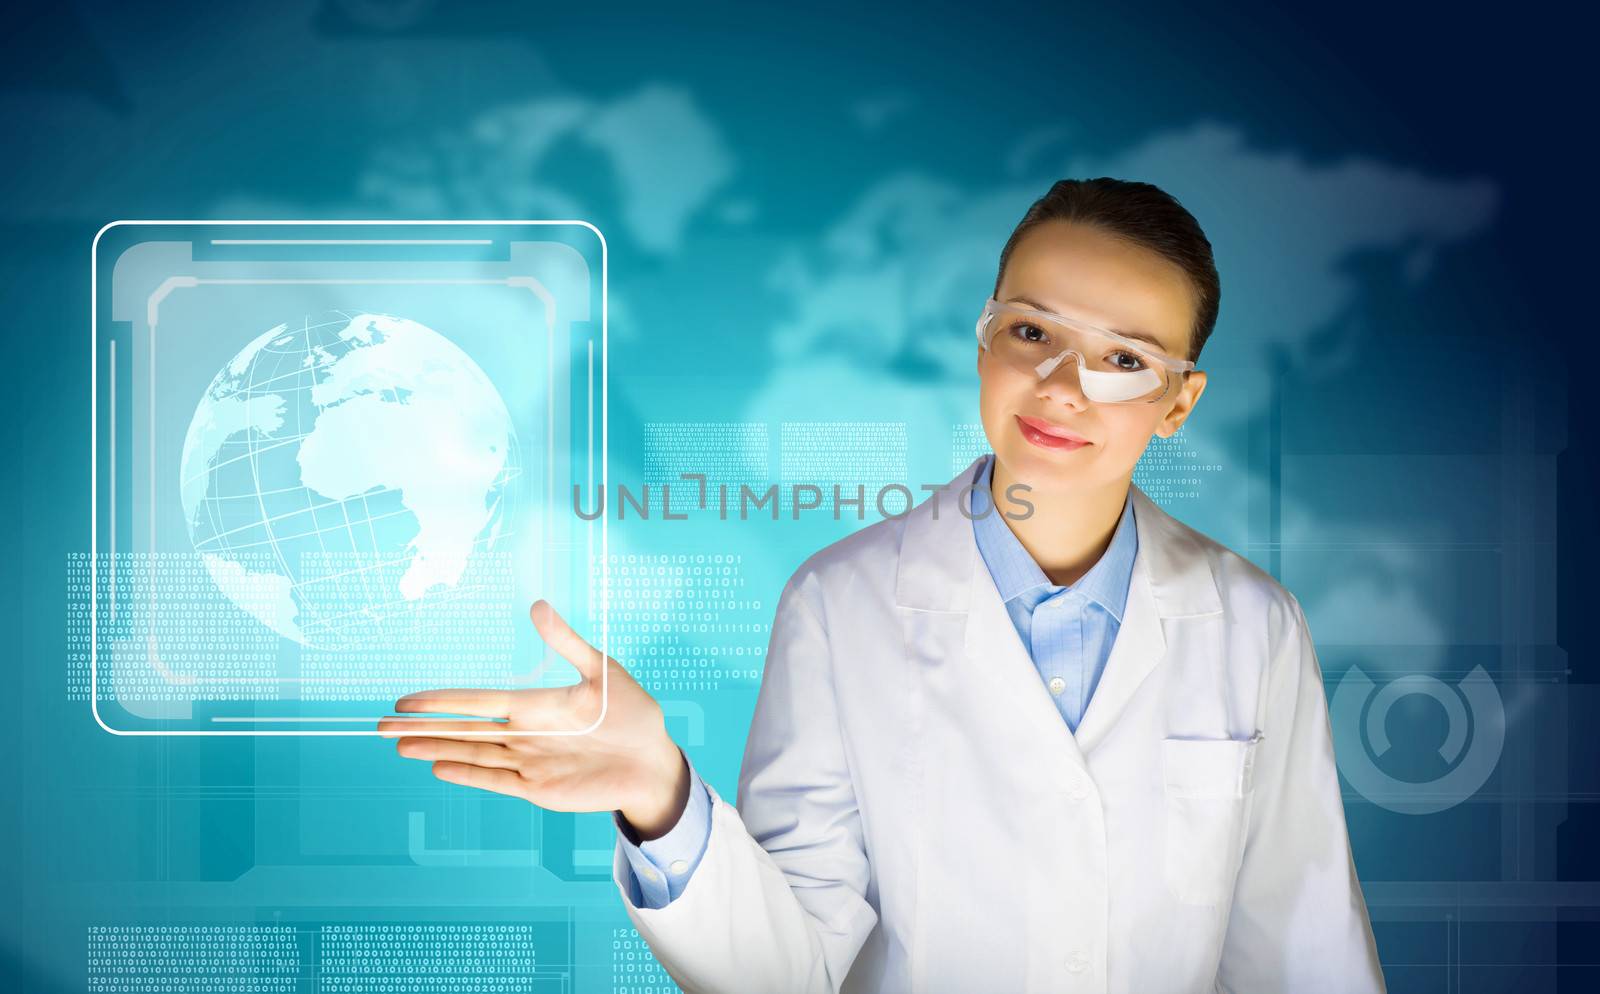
x=1048, y=436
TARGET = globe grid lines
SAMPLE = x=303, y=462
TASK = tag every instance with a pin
x=231, y=547
x=250, y=436
x=287, y=367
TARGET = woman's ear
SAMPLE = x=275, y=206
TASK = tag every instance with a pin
x=1194, y=384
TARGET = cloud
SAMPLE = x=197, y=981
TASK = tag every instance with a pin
x=906, y=265
x=177, y=128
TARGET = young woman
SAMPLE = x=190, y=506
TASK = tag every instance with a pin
x=1058, y=741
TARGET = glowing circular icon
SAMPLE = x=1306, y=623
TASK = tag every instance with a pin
x=1474, y=738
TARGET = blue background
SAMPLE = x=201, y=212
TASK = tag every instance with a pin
x=804, y=208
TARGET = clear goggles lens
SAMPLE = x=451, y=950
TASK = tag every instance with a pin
x=1111, y=369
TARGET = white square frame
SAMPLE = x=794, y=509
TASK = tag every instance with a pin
x=94, y=463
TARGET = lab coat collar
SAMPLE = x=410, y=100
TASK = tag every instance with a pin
x=941, y=571
x=1016, y=573
x=939, y=559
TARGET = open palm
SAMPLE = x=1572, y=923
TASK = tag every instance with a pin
x=623, y=761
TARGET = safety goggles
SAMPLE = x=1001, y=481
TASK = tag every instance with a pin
x=1112, y=368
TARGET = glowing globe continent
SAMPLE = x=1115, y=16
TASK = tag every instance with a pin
x=343, y=469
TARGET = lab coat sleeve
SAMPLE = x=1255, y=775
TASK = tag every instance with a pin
x=778, y=901
x=656, y=883
x=1299, y=921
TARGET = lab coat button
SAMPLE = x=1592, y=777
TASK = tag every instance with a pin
x=1057, y=685
x=1076, y=963
x=678, y=866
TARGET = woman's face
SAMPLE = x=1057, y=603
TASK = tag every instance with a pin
x=1082, y=272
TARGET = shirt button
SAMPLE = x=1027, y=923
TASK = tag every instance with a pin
x=651, y=875
x=678, y=866
x=1076, y=963
x=1057, y=685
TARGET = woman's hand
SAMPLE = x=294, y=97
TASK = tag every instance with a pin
x=627, y=763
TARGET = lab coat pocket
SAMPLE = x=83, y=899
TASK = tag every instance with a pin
x=1208, y=783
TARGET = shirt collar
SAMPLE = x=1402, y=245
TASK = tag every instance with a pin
x=1015, y=571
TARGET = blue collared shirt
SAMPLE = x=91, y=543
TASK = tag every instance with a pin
x=1067, y=630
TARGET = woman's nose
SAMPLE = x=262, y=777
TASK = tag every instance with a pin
x=1062, y=384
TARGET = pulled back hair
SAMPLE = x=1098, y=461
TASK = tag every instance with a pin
x=1144, y=215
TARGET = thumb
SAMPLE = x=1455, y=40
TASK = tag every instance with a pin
x=558, y=635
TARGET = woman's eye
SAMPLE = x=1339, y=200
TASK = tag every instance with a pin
x=1029, y=334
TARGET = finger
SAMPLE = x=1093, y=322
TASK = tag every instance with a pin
x=487, y=754
x=443, y=728
x=537, y=707
x=464, y=700
x=499, y=781
x=545, y=708
x=559, y=635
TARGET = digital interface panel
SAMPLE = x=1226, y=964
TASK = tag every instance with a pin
x=334, y=463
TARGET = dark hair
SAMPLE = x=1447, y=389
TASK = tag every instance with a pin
x=1144, y=215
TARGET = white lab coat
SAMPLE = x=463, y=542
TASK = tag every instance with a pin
x=913, y=814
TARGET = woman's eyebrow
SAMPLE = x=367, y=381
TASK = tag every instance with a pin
x=1141, y=336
